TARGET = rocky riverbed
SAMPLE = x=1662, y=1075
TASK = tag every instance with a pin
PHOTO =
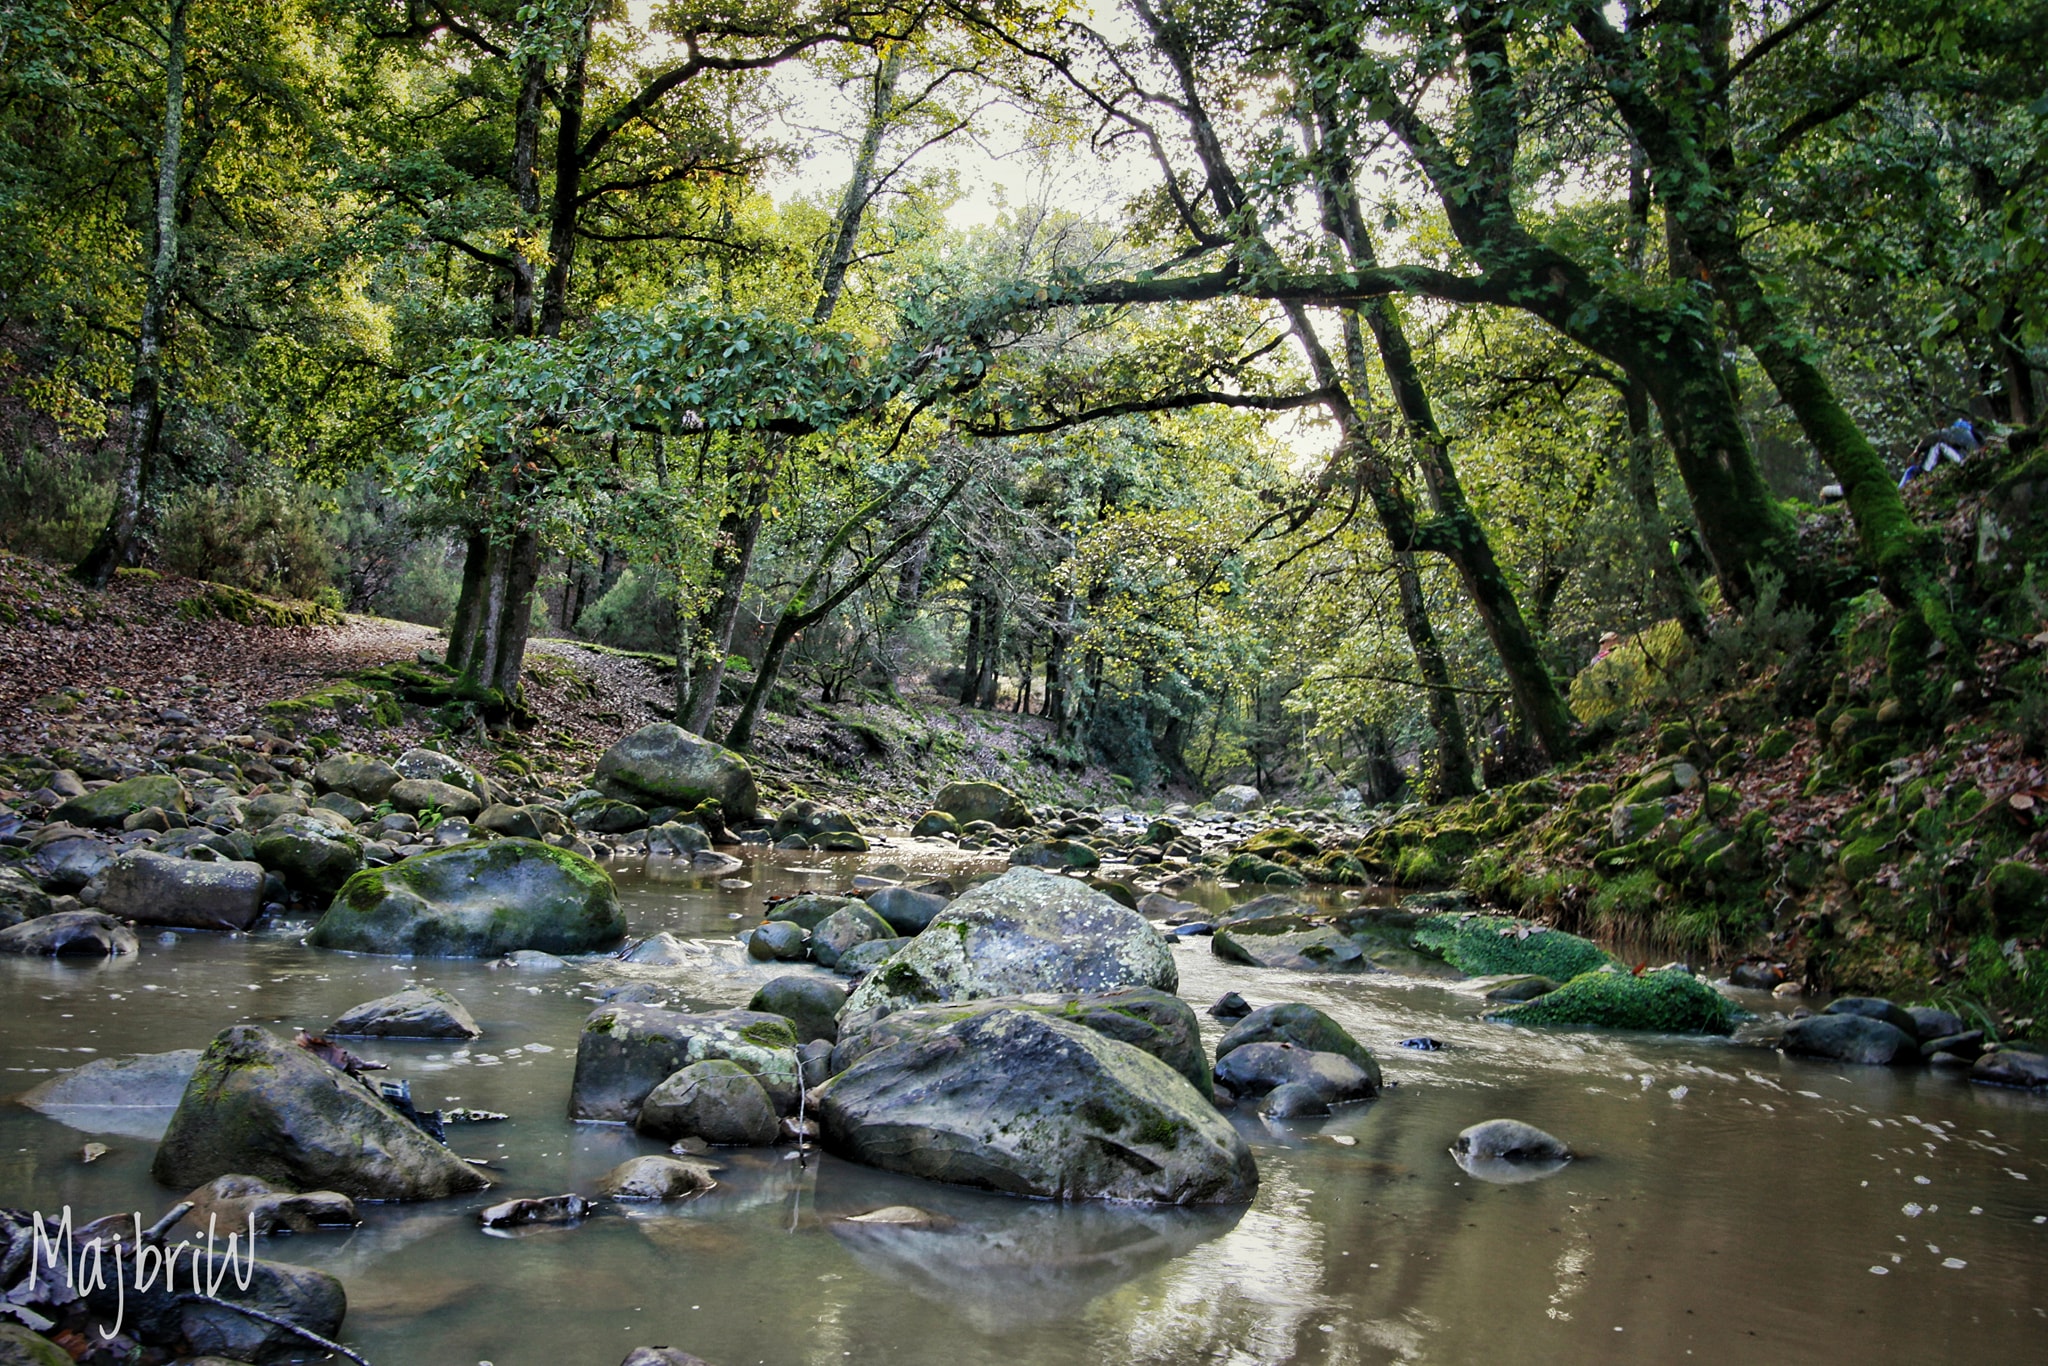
x=508, y=1076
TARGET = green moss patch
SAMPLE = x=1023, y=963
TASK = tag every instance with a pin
x=1484, y=945
x=1663, y=1002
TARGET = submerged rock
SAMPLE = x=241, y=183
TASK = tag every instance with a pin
x=1294, y=1100
x=1230, y=1006
x=653, y=1177
x=626, y=1050
x=265, y=1108
x=414, y=1013
x=1288, y=942
x=1508, y=1152
x=665, y=765
x=1028, y=1104
x=476, y=900
x=134, y=1097
x=156, y=889
x=546, y=1209
x=661, y=1356
x=1022, y=932
x=70, y=934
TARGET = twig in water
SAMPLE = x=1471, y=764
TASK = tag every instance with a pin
x=274, y=1321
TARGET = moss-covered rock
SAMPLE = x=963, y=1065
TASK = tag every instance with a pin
x=1261, y=872
x=1056, y=854
x=1281, y=839
x=665, y=765
x=980, y=801
x=1665, y=1002
x=310, y=855
x=2016, y=894
x=1485, y=945
x=626, y=1050
x=239, y=605
x=110, y=806
x=476, y=900
x=935, y=823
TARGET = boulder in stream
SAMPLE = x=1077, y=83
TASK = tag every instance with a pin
x=1255, y=1068
x=261, y=1107
x=1858, y=1039
x=1301, y=1025
x=716, y=1100
x=665, y=765
x=904, y=909
x=184, y=893
x=981, y=801
x=1025, y=931
x=661, y=1356
x=110, y=806
x=2012, y=1067
x=1288, y=942
x=21, y=898
x=476, y=900
x=308, y=853
x=845, y=930
x=1029, y=1104
x=1508, y=1152
x=810, y=1004
x=419, y=1012
x=652, y=1177
x=70, y=934
x=236, y=1202
x=626, y=1050
x=134, y=1097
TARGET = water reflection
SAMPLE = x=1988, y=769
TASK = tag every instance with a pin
x=1003, y=1263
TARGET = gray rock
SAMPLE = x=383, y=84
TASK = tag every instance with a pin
x=476, y=901
x=1510, y=1140
x=1852, y=1039
x=665, y=765
x=524, y=1213
x=134, y=1097
x=521, y=822
x=980, y=801
x=427, y=765
x=64, y=858
x=1230, y=1006
x=661, y=1356
x=162, y=1317
x=156, y=889
x=809, y=819
x=21, y=898
x=1508, y=1152
x=1518, y=989
x=1875, y=1008
x=238, y=1202
x=2012, y=1067
x=309, y=854
x=626, y=1050
x=1237, y=798
x=906, y=911
x=810, y=1004
x=1022, y=932
x=1284, y=941
x=417, y=795
x=1301, y=1025
x=414, y=1013
x=863, y=959
x=1152, y=1021
x=661, y=950
x=1256, y=1068
x=673, y=839
x=341, y=804
x=810, y=909
x=776, y=941
x=367, y=779
x=70, y=934
x=1931, y=1022
x=1967, y=1046
x=1027, y=1104
x=1294, y=1100
x=272, y=806
x=608, y=817
x=716, y=1100
x=846, y=929
x=260, y=1107
x=653, y=1177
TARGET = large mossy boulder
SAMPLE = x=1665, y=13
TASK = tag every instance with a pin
x=432, y=766
x=108, y=807
x=979, y=801
x=156, y=889
x=1025, y=931
x=476, y=900
x=1029, y=1104
x=258, y=1106
x=1152, y=1021
x=626, y=1050
x=311, y=855
x=1485, y=945
x=1667, y=1002
x=665, y=765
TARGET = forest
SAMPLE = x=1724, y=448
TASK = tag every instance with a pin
x=1567, y=469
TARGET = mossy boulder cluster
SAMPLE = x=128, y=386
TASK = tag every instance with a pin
x=476, y=900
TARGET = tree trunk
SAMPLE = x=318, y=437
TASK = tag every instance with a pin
x=1668, y=584
x=701, y=668
x=859, y=186
x=970, y=665
x=1453, y=750
x=118, y=543
x=462, y=627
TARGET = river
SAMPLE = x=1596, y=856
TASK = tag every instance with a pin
x=1731, y=1205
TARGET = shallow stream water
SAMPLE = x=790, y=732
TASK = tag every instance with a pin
x=1732, y=1205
